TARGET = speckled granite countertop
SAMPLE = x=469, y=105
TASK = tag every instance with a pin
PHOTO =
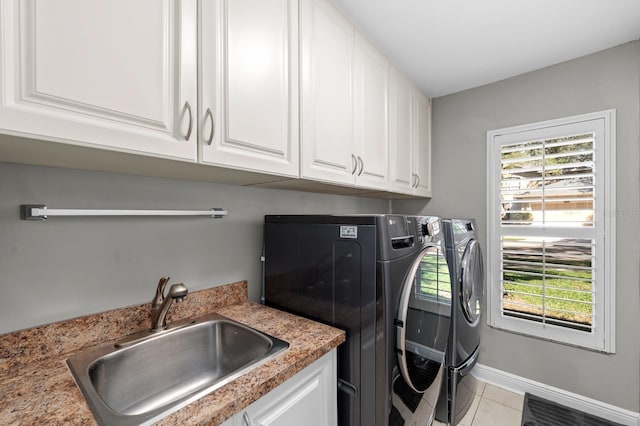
x=37, y=388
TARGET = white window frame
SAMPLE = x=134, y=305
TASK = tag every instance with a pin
x=602, y=124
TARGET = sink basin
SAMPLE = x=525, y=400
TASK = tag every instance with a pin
x=145, y=381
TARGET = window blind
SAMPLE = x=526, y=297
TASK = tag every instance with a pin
x=547, y=241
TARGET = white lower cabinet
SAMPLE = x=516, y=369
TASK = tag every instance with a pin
x=309, y=398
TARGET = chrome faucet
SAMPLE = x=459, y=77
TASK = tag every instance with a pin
x=160, y=304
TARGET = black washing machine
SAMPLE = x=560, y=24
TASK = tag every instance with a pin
x=467, y=278
x=370, y=275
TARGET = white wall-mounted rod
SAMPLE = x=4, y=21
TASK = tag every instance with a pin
x=41, y=212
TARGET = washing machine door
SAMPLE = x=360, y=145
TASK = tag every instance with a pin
x=471, y=282
x=422, y=323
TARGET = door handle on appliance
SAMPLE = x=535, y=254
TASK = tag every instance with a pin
x=213, y=125
x=361, y=165
x=347, y=388
x=354, y=161
x=187, y=108
x=466, y=367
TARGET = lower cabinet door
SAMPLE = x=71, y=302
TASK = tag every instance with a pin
x=308, y=398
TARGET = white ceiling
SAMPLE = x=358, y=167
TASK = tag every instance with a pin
x=445, y=46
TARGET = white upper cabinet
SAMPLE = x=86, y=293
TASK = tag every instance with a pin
x=422, y=146
x=371, y=141
x=409, y=138
x=326, y=119
x=86, y=72
x=277, y=87
x=400, y=134
x=249, y=85
x=343, y=101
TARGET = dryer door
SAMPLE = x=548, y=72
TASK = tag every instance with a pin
x=422, y=322
x=471, y=282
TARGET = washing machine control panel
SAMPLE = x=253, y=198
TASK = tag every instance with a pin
x=428, y=227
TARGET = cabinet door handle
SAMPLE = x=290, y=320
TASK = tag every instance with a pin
x=417, y=181
x=361, y=165
x=413, y=180
x=187, y=108
x=354, y=161
x=247, y=420
x=213, y=125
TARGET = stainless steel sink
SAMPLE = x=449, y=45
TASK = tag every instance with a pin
x=143, y=382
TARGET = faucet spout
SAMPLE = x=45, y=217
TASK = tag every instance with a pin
x=159, y=297
x=161, y=303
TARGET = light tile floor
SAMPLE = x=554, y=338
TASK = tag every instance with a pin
x=492, y=406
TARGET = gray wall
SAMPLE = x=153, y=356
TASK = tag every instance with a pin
x=66, y=267
x=608, y=79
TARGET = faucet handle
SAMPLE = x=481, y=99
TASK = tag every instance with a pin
x=159, y=297
x=178, y=292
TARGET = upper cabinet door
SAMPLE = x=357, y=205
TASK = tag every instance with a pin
x=422, y=147
x=401, y=173
x=409, y=138
x=327, y=95
x=249, y=82
x=371, y=132
x=86, y=72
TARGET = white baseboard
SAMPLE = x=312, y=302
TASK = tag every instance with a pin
x=521, y=385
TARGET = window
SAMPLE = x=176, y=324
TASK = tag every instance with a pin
x=551, y=228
